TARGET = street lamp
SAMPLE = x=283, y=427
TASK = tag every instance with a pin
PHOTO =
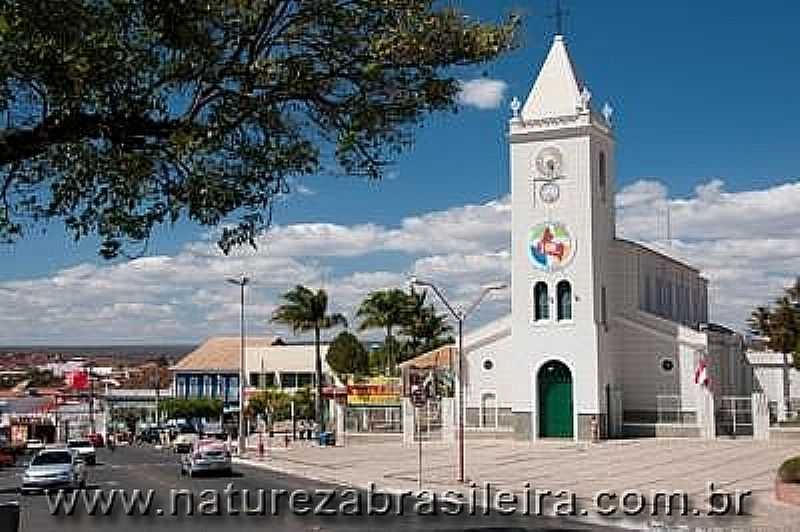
x=460, y=315
x=241, y=282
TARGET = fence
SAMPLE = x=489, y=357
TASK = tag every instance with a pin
x=735, y=416
x=374, y=420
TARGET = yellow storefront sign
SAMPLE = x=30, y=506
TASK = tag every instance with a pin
x=379, y=391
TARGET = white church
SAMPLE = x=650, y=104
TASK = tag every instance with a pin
x=606, y=337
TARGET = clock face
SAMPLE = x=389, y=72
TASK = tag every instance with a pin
x=549, y=192
x=549, y=162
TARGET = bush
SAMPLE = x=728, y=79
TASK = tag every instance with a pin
x=790, y=470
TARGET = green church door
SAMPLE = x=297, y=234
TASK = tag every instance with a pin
x=555, y=401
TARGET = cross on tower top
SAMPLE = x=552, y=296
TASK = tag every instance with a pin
x=560, y=15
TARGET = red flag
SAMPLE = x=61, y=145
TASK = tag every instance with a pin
x=78, y=380
x=701, y=374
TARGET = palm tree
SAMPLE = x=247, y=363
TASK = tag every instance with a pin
x=305, y=310
x=759, y=321
x=425, y=327
x=384, y=309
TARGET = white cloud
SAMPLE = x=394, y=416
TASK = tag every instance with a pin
x=746, y=243
x=482, y=93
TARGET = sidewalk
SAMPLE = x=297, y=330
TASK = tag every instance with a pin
x=644, y=466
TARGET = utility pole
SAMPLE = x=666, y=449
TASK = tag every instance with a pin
x=459, y=315
x=241, y=282
x=157, y=385
x=91, y=398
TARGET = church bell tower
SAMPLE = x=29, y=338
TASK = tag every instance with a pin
x=562, y=183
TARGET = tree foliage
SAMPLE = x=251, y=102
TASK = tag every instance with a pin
x=119, y=116
x=305, y=310
x=419, y=325
x=347, y=355
x=194, y=408
x=277, y=404
x=779, y=325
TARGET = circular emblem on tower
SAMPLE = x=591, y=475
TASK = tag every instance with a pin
x=551, y=246
x=549, y=162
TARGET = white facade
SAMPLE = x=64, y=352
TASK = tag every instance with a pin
x=605, y=335
x=777, y=377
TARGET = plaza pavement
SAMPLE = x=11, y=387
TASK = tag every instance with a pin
x=643, y=465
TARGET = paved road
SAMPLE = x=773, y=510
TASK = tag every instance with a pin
x=146, y=468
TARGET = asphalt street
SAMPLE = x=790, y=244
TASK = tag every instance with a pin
x=149, y=469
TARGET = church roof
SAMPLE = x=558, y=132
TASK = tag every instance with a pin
x=557, y=91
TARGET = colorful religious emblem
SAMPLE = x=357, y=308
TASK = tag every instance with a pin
x=550, y=246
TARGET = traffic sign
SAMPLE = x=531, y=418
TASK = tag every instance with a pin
x=418, y=396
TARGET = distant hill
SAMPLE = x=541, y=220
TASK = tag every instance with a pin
x=133, y=352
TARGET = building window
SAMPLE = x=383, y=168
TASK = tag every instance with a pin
x=194, y=386
x=305, y=379
x=208, y=386
x=181, y=385
x=488, y=364
x=564, y=299
x=255, y=380
x=288, y=380
x=541, y=303
x=602, y=176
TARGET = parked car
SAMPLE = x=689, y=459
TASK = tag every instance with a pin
x=185, y=439
x=97, y=440
x=209, y=456
x=34, y=445
x=184, y=443
x=84, y=449
x=54, y=468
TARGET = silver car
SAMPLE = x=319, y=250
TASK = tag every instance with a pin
x=208, y=457
x=53, y=469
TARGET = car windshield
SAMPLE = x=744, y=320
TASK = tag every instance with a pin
x=56, y=458
x=79, y=443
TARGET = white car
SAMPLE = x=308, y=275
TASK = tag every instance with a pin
x=84, y=449
x=209, y=456
x=34, y=445
x=185, y=442
x=54, y=468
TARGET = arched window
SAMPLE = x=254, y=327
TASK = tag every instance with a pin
x=602, y=176
x=564, y=298
x=541, y=304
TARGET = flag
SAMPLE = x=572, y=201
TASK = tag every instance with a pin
x=701, y=374
x=78, y=380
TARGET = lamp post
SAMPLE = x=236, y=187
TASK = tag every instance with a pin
x=460, y=315
x=242, y=281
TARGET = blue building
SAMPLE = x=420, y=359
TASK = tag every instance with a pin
x=212, y=370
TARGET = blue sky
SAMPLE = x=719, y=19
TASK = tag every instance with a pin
x=702, y=92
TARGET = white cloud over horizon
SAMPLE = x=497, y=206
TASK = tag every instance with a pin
x=746, y=243
x=482, y=93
